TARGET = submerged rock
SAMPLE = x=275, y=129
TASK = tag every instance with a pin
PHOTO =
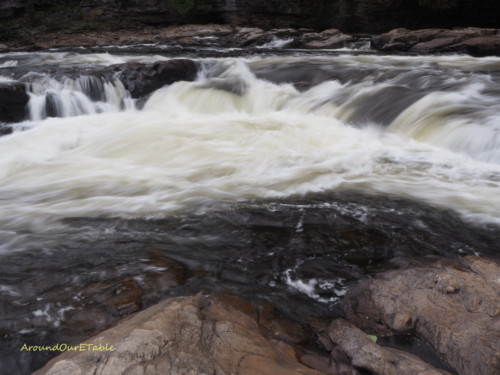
x=453, y=305
x=13, y=101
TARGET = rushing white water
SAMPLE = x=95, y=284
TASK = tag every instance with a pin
x=436, y=119
x=277, y=43
x=230, y=137
x=74, y=97
x=71, y=59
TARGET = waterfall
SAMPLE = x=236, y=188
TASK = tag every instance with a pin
x=69, y=97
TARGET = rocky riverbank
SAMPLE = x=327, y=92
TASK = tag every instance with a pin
x=473, y=41
x=213, y=35
x=24, y=18
x=451, y=305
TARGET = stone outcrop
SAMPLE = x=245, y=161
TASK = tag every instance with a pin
x=142, y=79
x=453, y=305
x=474, y=41
x=366, y=354
x=191, y=335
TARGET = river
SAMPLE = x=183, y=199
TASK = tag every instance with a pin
x=278, y=176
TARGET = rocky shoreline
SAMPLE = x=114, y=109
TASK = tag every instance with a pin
x=452, y=305
x=474, y=41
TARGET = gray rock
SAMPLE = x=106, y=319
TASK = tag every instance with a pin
x=452, y=305
x=366, y=354
x=474, y=41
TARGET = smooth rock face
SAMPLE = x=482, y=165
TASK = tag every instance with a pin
x=190, y=335
x=474, y=41
x=453, y=305
x=366, y=354
x=13, y=101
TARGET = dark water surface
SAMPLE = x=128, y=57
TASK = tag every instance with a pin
x=299, y=254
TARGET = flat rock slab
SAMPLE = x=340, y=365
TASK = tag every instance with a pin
x=452, y=305
x=186, y=335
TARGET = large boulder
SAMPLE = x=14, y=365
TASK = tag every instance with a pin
x=453, y=305
x=488, y=45
x=142, y=79
x=13, y=102
x=188, y=335
x=365, y=354
x=331, y=38
x=475, y=41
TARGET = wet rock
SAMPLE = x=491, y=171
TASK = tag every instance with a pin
x=249, y=36
x=331, y=38
x=482, y=46
x=97, y=304
x=5, y=129
x=475, y=41
x=142, y=79
x=366, y=354
x=452, y=305
x=189, y=335
x=13, y=101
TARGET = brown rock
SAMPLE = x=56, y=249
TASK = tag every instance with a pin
x=187, y=335
x=481, y=46
x=475, y=41
x=101, y=303
x=330, y=40
x=453, y=305
x=366, y=354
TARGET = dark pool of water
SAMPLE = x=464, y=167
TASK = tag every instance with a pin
x=300, y=254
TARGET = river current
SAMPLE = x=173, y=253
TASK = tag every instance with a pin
x=279, y=176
